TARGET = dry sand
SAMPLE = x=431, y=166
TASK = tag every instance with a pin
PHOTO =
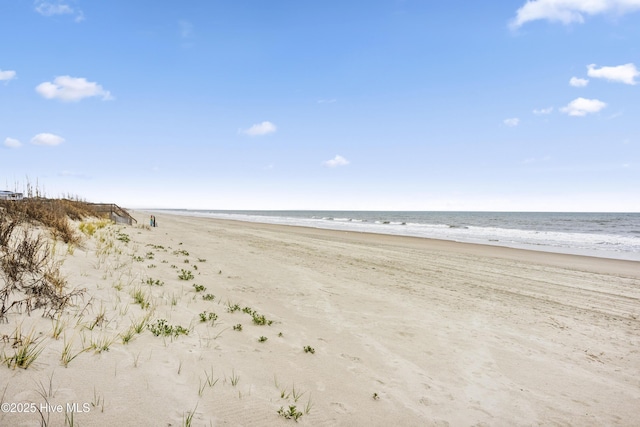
x=406, y=331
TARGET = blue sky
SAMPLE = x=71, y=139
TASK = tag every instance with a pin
x=382, y=105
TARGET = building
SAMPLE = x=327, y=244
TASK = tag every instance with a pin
x=10, y=195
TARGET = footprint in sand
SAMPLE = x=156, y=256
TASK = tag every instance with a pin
x=339, y=407
x=352, y=358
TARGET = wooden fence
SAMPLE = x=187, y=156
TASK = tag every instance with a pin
x=114, y=212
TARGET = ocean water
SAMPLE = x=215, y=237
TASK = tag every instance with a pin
x=608, y=235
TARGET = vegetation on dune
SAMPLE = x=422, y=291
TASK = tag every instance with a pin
x=29, y=275
x=53, y=214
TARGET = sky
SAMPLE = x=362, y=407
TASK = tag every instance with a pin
x=339, y=105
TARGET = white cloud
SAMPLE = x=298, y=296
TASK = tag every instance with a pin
x=513, y=122
x=622, y=73
x=568, y=11
x=47, y=139
x=186, y=29
x=577, y=82
x=49, y=9
x=338, y=160
x=581, y=107
x=260, y=129
x=68, y=88
x=45, y=8
x=543, y=111
x=12, y=143
x=7, y=75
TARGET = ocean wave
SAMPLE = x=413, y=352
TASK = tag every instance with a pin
x=612, y=245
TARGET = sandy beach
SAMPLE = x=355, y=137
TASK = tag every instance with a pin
x=359, y=330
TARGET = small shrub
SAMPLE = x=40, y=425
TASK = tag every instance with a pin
x=309, y=349
x=291, y=414
x=208, y=317
x=259, y=319
x=185, y=274
x=162, y=328
x=208, y=297
x=238, y=327
x=123, y=237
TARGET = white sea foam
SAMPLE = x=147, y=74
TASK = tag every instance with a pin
x=601, y=240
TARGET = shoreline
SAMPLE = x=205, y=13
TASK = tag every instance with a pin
x=495, y=240
x=610, y=265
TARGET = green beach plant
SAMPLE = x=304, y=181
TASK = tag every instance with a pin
x=138, y=326
x=152, y=282
x=123, y=237
x=291, y=414
x=127, y=335
x=26, y=350
x=140, y=298
x=297, y=394
x=208, y=317
x=98, y=400
x=188, y=420
x=185, y=274
x=232, y=308
x=46, y=390
x=282, y=389
x=100, y=344
x=308, y=406
x=259, y=319
x=57, y=327
x=162, y=328
x=234, y=379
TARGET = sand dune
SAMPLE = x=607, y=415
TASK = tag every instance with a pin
x=404, y=331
